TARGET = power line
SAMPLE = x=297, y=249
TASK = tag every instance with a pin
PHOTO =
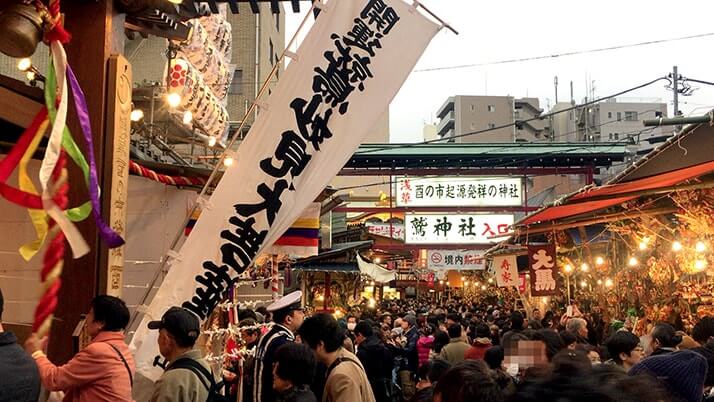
x=502, y=126
x=573, y=53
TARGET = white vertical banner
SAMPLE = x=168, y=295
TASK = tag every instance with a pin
x=347, y=70
x=506, y=270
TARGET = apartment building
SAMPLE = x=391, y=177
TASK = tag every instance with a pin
x=483, y=115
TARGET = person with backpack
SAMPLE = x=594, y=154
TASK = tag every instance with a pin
x=104, y=369
x=188, y=375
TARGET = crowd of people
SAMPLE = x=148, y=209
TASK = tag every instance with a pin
x=404, y=350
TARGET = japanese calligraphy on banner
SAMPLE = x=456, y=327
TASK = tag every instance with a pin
x=459, y=191
x=460, y=260
x=384, y=229
x=423, y=228
x=522, y=283
x=543, y=270
x=347, y=70
x=506, y=269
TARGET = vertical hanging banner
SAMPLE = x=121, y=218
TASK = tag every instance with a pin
x=543, y=270
x=506, y=270
x=347, y=70
x=302, y=239
x=522, y=283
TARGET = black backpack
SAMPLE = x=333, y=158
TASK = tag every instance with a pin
x=214, y=389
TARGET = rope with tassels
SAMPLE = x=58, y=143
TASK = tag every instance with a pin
x=53, y=260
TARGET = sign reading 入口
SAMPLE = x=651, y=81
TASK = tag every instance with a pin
x=458, y=191
x=430, y=228
x=460, y=260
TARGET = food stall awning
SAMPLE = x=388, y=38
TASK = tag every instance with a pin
x=338, y=267
x=596, y=198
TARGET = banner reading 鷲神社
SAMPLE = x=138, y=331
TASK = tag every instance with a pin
x=347, y=70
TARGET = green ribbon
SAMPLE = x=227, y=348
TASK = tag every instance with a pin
x=81, y=212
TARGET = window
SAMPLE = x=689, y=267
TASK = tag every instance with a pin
x=236, y=87
x=473, y=107
x=630, y=116
x=491, y=108
x=617, y=136
x=271, y=52
x=609, y=115
x=609, y=136
x=619, y=116
x=517, y=114
x=491, y=125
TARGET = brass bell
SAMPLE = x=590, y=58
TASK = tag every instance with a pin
x=20, y=30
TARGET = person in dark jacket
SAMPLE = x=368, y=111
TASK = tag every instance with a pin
x=293, y=371
x=408, y=371
x=377, y=360
x=664, y=339
x=703, y=333
x=429, y=374
x=19, y=376
x=288, y=315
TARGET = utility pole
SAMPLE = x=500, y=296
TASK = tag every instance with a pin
x=675, y=90
x=555, y=81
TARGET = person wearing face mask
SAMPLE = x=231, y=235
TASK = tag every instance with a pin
x=351, y=323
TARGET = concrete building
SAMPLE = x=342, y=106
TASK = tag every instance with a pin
x=467, y=114
x=258, y=40
x=615, y=120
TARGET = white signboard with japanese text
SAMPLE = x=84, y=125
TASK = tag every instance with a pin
x=459, y=260
x=384, y=229
x=506, y=270
x=346, y=72
x=447, y=228
x=458, y=191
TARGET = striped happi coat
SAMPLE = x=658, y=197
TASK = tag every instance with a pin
x=264, y=358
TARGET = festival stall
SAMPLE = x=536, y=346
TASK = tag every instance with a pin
x=638, y=248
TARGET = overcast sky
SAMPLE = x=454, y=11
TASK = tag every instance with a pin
x=491, y=31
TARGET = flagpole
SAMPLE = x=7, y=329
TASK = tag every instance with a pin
x=214, y=173
x=436, y=17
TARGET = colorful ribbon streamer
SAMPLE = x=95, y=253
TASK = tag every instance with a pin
x=37, y=216
x=80, y=103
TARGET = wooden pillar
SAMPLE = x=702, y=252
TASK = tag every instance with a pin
x=97, y=32
x=328, y=284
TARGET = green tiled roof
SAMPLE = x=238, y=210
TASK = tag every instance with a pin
x=542, y=154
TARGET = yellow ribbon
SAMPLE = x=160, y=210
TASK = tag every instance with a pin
x=37, y=216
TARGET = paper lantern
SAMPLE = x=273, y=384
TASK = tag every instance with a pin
x=208, y=111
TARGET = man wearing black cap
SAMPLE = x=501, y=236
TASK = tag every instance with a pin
x=287, y=317
x=178, y=331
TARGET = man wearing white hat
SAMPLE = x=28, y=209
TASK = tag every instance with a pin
x=287, y=315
